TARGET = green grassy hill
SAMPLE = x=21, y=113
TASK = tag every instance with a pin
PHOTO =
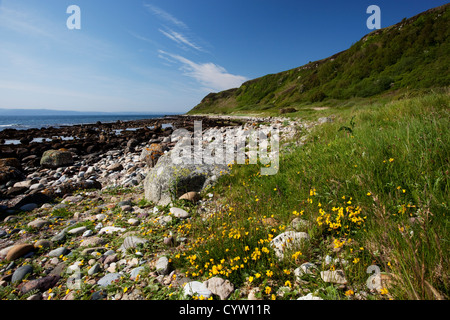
x=411, y=56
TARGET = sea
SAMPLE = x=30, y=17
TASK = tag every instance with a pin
x=27, y=122
x=23, y=122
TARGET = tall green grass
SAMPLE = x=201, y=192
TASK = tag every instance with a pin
x=389, y=176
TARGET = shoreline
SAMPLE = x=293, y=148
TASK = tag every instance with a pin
x=93, y=150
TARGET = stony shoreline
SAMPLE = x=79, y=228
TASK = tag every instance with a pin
x=87, y=145
x=54, y=235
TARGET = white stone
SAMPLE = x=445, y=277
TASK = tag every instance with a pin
x=196, y=287
x=309, y=296
x=162, y=266
x=287, y=240
x=87, y=233
x=99, y=226
x=164, y=220
x=221, y=287
x=100, y=216
x=336, y=276
x=110, y=230
x=179, y=213
x=77, y=230
x=74, y=267
x=133, y=222
x=131, y=242
x=305, y=268
x=26, y=184
x=112, y=267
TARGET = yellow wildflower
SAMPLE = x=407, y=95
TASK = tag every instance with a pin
x=349, y=292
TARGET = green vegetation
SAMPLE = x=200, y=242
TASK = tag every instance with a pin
x=371, y=188
x=411, y=56
x=375, y=195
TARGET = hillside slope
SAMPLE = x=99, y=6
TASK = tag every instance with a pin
x=413, y=54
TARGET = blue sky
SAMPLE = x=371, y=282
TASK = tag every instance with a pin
x=166, y=55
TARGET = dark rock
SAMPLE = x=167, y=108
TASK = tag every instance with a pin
x=59, y=269
x=287, y=110
x=21, y=272
x=99, y=295
x=21, y=200
x=115, y=167
x=8, y=173
x=42, y=284
x=132, y=143
x=10, y=162
x=14, y=191
x=25, y=140
x=92, y=148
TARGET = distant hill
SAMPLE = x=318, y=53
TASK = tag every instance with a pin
x=412, y=54
x=42, y=112
x=51, y=112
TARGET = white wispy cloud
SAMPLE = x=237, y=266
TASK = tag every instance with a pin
x=213, y=77
x=180, y=39
x=23, y=22
x=165, y=16
x=44, y=65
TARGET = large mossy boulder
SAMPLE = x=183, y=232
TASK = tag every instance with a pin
x=56, y=158
x=169, y=180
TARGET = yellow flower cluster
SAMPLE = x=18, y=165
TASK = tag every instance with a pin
x=338, y=243
x=296, y=255
x=341, y=216
x=184, y=229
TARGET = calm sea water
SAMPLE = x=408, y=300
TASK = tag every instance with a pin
x=27, y=122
